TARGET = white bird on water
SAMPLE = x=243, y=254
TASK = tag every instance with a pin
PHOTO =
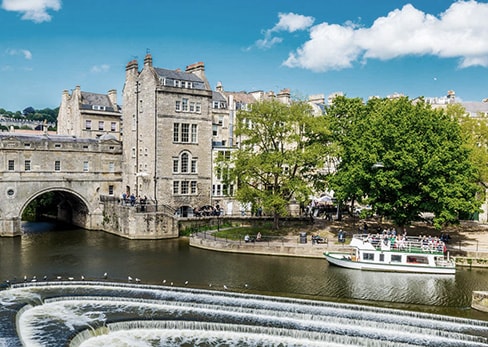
x=225, y=287
x=105, y=275
x=164, y=281
x=138, y=280
x=186, y=283
x=82, y=277
x=129, y=279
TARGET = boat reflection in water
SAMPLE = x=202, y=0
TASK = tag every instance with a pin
x=113, y=314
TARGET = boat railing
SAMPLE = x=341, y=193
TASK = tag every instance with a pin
x=402, y=243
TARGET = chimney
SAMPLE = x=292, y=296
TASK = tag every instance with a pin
x=198, y=69
x=148, y=60
x=219, y=87
x=112, y=96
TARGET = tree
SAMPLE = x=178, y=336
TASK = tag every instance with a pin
x=403, y=158
x=276, y=160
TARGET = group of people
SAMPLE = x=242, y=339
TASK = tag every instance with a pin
x=132, y=200
x=248, y=238
x=389, y=237
x=207, y=211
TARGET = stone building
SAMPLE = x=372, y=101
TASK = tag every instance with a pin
x=167, y=135
x=90, y=115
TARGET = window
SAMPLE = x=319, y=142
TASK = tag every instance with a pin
x=85, y=166
x=194, y=133
x=111, y=167
x=198, y=107
x=88, y=124
x=382, y=257
x=57, y=165
x=100, y=125
x=27, y=165
x=57, y=145
x=110, y=190
x=176, y=132
x=395, y=258
x=185, y=128
x=368, y=256
x=176, y=185
x=215, y=130
x=184, y=187
x=113, y=126
x=175, y=165
x=184, y=162
x=193, y=166
x=27, y=145
x=184, y=105
x=11, y=165
x=192, y=106
x=193, y=187
x=178, y=105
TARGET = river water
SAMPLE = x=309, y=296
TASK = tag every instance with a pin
x=171, y=268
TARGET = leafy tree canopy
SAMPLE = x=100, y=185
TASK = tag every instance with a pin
x=403, y=158
x=276, y=159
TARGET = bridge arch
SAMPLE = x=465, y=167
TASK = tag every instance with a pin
x=72, y=207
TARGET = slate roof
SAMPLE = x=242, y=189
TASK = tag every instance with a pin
x=177, y=75
x=217, y=96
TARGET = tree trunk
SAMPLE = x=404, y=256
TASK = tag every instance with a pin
x=276, y=221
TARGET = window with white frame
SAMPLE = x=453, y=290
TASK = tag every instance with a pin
x=11, y=165
x=184, y=162
x=176, y=186
x=113, y=126
x=185, y=132
x=193, y=187
x=194, y=133
x=184, y=105
x=27, y=165
x=88, y=124
x=178, y=105
x=176, y=132
x=184, y=187
x=57, y=165
x=193, y=166
x=86, y=166
x=101, y=125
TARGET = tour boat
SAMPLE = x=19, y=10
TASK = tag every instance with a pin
x=397, y=254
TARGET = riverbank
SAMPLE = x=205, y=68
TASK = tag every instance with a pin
x=468, y=242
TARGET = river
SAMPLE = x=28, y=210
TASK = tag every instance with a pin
x=70, y=255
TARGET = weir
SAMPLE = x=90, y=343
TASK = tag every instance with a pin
x=86, y=313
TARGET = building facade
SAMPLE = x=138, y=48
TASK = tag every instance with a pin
x=89, y=115
x=167, y=135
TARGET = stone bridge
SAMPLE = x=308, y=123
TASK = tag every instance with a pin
x=85, y=177
x=77, y=171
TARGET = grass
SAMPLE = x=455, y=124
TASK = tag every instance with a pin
x=238, y=233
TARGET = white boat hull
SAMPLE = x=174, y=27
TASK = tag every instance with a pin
x=344, y=260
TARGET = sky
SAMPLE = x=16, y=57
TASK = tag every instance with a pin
x=359, y=47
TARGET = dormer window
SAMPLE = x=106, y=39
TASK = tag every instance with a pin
x=98, y=108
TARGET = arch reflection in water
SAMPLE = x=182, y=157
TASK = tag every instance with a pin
x=110, y=314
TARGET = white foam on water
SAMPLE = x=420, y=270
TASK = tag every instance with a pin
x=242, y=318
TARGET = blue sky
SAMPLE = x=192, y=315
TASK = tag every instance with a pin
x=359, y=47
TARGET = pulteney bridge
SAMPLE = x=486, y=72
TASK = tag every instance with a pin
x=77, y=170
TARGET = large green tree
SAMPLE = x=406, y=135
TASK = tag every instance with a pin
x=276, y=159
x=403, y=158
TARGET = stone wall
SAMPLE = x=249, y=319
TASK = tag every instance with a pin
x=129, y=222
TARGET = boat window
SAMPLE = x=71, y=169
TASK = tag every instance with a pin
x=368, y=256
x=415, y=259
x=382, y=257
x=395, y=258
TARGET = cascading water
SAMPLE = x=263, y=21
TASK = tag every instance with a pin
x=111, y=314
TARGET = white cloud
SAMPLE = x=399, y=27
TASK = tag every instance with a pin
x=34, y=10
x=289, y=22
x=459, y=32
x=26, y=53
x=100, y=68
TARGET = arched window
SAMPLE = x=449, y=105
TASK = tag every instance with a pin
x=184, y=162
